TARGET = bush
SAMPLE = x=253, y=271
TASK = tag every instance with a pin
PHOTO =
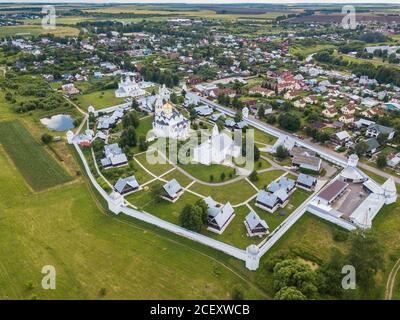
x=339, y=235
x=46, y=138
x=237, y=294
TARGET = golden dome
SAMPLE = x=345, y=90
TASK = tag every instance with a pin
x=167, y=108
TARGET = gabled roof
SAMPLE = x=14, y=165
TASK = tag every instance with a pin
x=381, y=129
x=223, y=215
x=342, y=135
x=172, y=188
x=306, y=179
x=372, y=144
x=389, y=186
x=122, y=182
x=281, y=194
x=213, y=208
x=118, y=159
x=253, y=220
x=266, y=198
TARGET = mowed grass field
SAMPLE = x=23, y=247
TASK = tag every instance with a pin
x=39, y=169
x=100, y=256
x=99, y=99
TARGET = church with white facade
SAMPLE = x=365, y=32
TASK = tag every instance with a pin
x=128, y=87
x=168, y=122
x=216, y=149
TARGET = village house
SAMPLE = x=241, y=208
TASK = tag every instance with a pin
x=329, y=104
x=127, y=185
x=262, y=91
x=70, y=89
x=255, y=226
x=305, y=159
x=330, y=112
x=306, y=182
x=300, y=103
x=311, y=99
x=372, y=146
x=277, y=195
x=347, y=110
x=291, y=95
x=173, y=190
x=219, y=216
x=114, y=157
x=204, y=110
x=375, y=130
x=346, y=118
x=340, y=138
x=393, y=160
x=372, y=112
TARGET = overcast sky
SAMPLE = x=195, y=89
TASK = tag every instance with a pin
x=206, y=1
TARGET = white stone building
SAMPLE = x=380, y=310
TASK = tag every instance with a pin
x=168, y=122
x=216, y=149
x=128, y=87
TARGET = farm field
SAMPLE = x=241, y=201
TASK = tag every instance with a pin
x=205, y=14
x=97, y=255
x=60, y=31
x=40, y=170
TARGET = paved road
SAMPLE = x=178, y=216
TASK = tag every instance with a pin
x=324, y=152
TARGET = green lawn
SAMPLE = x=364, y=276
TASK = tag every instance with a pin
x=262, y=137
x=39, y=169
x=236, y=192
x=91, y=250
x=157, y=168
x=311, y=238
x=161, y=208
x=145, y=125
x=265, y=178
x=203, y=172
x=179, y=176
x=99, y=99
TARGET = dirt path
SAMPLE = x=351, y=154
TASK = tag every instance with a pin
x=392, y=280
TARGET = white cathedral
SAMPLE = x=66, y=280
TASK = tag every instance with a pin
x=128, y=87
x=216, y=149
x=168, y=122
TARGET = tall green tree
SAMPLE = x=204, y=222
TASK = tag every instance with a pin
x=128, y=137
x=191, y=218
x=366, y=255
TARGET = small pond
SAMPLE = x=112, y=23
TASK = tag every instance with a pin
x=59, y=122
